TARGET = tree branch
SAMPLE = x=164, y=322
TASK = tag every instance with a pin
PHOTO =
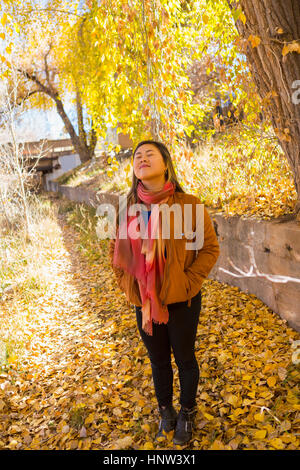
x=52, y=10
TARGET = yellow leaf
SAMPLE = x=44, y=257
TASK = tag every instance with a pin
x=13, y=444
x=269, y=428
x=233, y=400
x=242, y=17
x=146, y=427
x=204, y=396
x=271, y=381
x=291, y=397
x=89, y=419
x=97, y=441
x=204, y=374
x=247, y=377
x=261, y=434
x=4, y=19
x=148, y=370
x=277, y=443
x=268, y=354
x=238, y=411
x=292, y=47
x=255, y=40
x=90, y=389
x=12, y=358
x=127, y=377
x=208, y=416
x=217, y=445
x=205, y=18
x=17, y=27
x=247, y=402
x=288, y=438
x=148, y=446
x=259, y=417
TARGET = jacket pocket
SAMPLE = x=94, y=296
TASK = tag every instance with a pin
x=178, y=288
x=182, y=251
x=187, y=285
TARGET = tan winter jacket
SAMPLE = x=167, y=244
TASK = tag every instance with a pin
x=185, y=270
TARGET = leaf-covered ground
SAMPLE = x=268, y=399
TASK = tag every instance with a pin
x=84, y=381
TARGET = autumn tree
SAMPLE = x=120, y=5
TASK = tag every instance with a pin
x=271, y=33
x=128, y=62
x=46, y=79
x=139, y=52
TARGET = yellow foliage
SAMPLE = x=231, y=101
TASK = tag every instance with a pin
x=271, y=381
x=291, y=47
x=83, y=379
x=255, y=40
x=261, y=434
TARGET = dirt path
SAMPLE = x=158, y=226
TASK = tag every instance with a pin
x=84, y=380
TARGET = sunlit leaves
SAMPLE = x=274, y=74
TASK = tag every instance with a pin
x=130, y=62
x=6, y=31
x=254, y=40
x=143, y=73
x=84, y=381
x=4, y=19
x=291, y=47
x=238, y=14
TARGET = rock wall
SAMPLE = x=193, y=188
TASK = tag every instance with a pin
x=268, y=255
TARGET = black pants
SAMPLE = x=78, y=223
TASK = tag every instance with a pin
x=179, y=334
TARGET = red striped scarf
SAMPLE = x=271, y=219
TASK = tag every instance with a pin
x=144, y=258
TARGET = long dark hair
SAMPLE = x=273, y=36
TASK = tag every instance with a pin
x=132, y=197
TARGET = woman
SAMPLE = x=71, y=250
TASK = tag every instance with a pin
x=162, y=277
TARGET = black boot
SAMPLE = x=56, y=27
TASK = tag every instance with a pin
x=184, y=427
x=168, y=420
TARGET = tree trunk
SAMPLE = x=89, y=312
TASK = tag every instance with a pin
x=92, y=139
x=81, y=130
x=80, y=147
x=277, y=24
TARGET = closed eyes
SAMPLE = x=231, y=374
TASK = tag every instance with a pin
x=148, y=155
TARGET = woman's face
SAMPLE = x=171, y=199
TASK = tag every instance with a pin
x=148, y=163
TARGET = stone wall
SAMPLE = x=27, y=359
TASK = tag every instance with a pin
x=78, y=194
x=260, y=257
x=268, y=254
